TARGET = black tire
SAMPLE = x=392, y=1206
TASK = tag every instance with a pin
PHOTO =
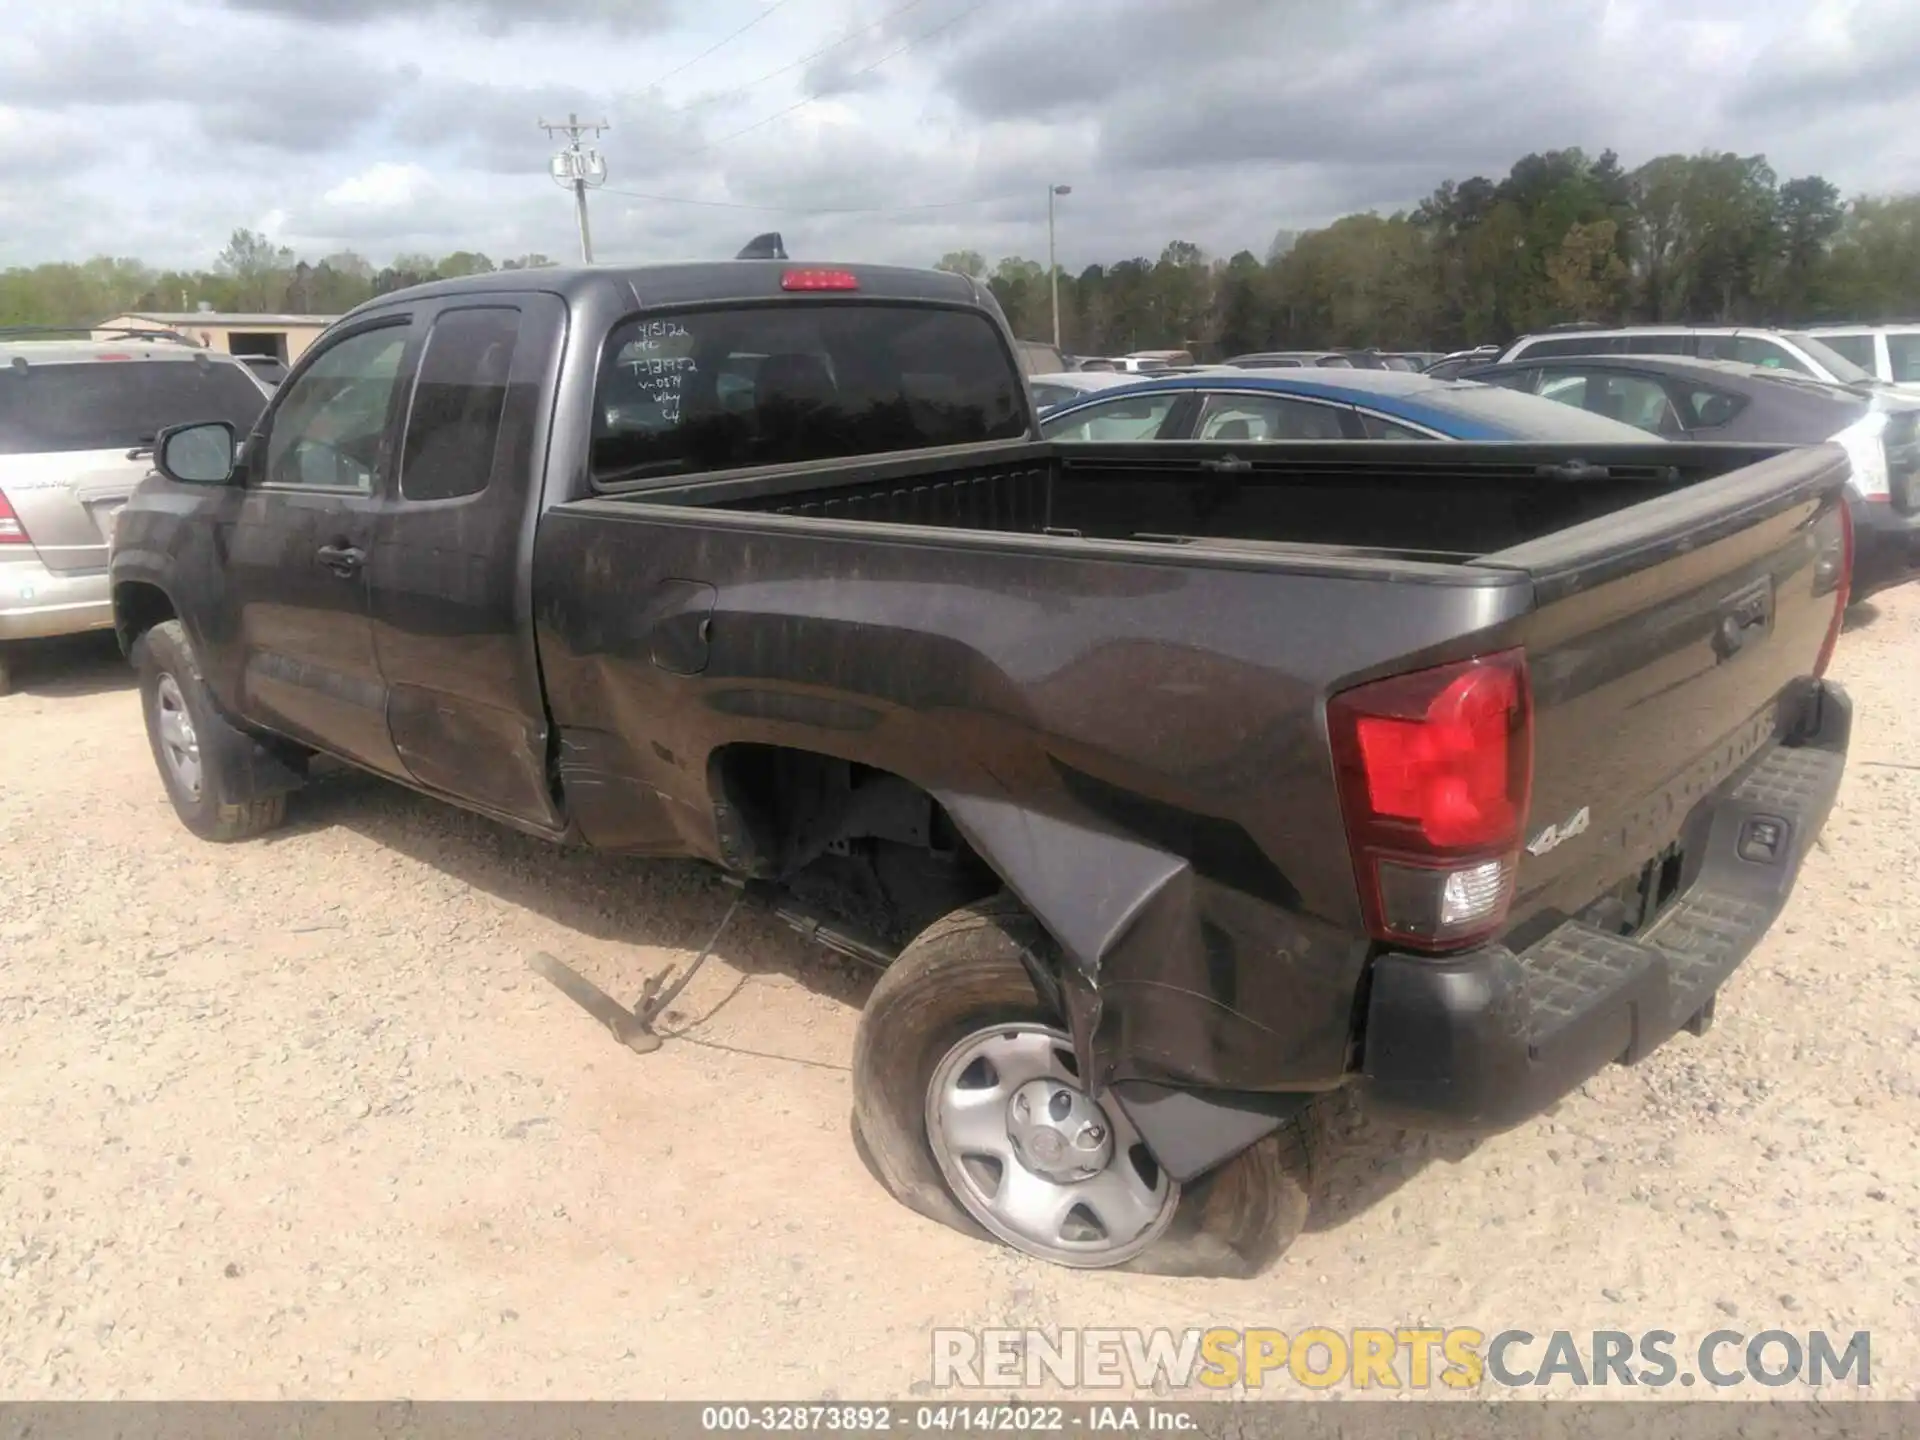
x=965, y=973
x=6, y=672
x=219, y=810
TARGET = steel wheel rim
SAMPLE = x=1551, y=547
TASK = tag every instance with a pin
x=179, y=744
x=988, y=1155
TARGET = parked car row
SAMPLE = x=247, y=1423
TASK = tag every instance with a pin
x=78, y=419
x=1680, y=398
x=1847, y=354
x=1617, y=398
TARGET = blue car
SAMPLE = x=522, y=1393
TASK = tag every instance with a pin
x=1316, y=404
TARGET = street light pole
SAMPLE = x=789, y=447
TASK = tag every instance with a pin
x=1053, y=270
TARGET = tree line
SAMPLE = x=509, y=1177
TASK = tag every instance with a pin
x=1712, y=238
x=252, y=276
x=1563, y=236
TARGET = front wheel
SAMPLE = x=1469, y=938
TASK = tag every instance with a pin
x=969, y=1108
x=194, y=748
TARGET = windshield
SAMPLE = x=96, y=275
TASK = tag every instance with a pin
x=1836, y=364
x=1528, y=417
x=118, y=404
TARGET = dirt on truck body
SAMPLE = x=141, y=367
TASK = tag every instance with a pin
x=1176, y=785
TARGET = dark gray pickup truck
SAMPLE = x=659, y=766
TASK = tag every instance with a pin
x=1177, y=785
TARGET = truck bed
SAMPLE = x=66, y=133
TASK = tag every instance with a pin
x=1456, y=502
x=1142, y=649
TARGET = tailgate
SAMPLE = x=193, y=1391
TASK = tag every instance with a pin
x=1661, y=644
x=67, y=502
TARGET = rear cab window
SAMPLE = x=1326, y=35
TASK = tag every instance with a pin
x=791, y=382
x=117, y=404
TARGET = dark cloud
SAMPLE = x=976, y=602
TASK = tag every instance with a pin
x=1215, y=121
x=493, y=16
x=1360, y=83
x=287, y=97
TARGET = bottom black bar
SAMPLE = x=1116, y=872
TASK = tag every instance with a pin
x=680, y=1420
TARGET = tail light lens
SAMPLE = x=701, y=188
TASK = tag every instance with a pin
x=1436, y=770
x=1843, y=587
x=12, y=532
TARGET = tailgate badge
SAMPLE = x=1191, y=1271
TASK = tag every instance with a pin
x=1574, y=824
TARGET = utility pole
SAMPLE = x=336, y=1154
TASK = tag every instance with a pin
x=577, y=169
x=1053, y=270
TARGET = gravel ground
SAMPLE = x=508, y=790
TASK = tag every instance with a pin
x=294, y=1118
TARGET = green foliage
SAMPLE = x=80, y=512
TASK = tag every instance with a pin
x=252, y=274
x=970, y=263
x=1563, y=236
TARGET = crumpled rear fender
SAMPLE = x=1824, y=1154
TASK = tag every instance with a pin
x=1096, y=892
x=1171, y=1010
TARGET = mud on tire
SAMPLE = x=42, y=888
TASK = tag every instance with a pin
x=221, y=807
x=963, y=974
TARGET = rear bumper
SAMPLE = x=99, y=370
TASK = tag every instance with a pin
x=1886, y=547
x=1484, y=1041
x=36, y=602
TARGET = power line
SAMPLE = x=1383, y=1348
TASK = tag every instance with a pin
x=811, y=209
x=863, y=70
x=717, y=45
x=811, y=55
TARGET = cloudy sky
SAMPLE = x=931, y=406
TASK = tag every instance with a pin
x=887, y=129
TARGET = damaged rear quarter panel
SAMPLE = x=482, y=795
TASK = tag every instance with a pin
x=1134, y=743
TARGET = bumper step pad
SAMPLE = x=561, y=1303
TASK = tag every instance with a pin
x=1482, y=1041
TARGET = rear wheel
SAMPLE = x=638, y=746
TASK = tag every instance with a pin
x=195, y=749
x=969, y=1108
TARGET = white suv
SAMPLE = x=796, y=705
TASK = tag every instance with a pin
x=1891, y=352
x=77, y=421
x=1797, y=351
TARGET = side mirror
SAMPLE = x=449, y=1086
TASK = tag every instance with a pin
x=201, y=454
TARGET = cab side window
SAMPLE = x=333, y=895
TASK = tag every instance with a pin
x=453, y=427
x=1269, y=417
x=330, y=429
x=1751, y=350
x=1635, y=400
x=1130, y=417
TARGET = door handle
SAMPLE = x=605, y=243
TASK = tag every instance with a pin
x=344, y=560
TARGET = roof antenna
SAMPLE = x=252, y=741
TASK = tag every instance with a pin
x=764, y=247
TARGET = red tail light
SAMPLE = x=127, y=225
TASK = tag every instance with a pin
x=1435, y=771
x=819, y=280
x=12, y=532
x=1842, y=592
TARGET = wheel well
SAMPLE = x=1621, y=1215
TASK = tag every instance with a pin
x=137, y=608
x=810, y=821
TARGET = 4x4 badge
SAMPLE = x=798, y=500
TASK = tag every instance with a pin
x=1575, y=824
